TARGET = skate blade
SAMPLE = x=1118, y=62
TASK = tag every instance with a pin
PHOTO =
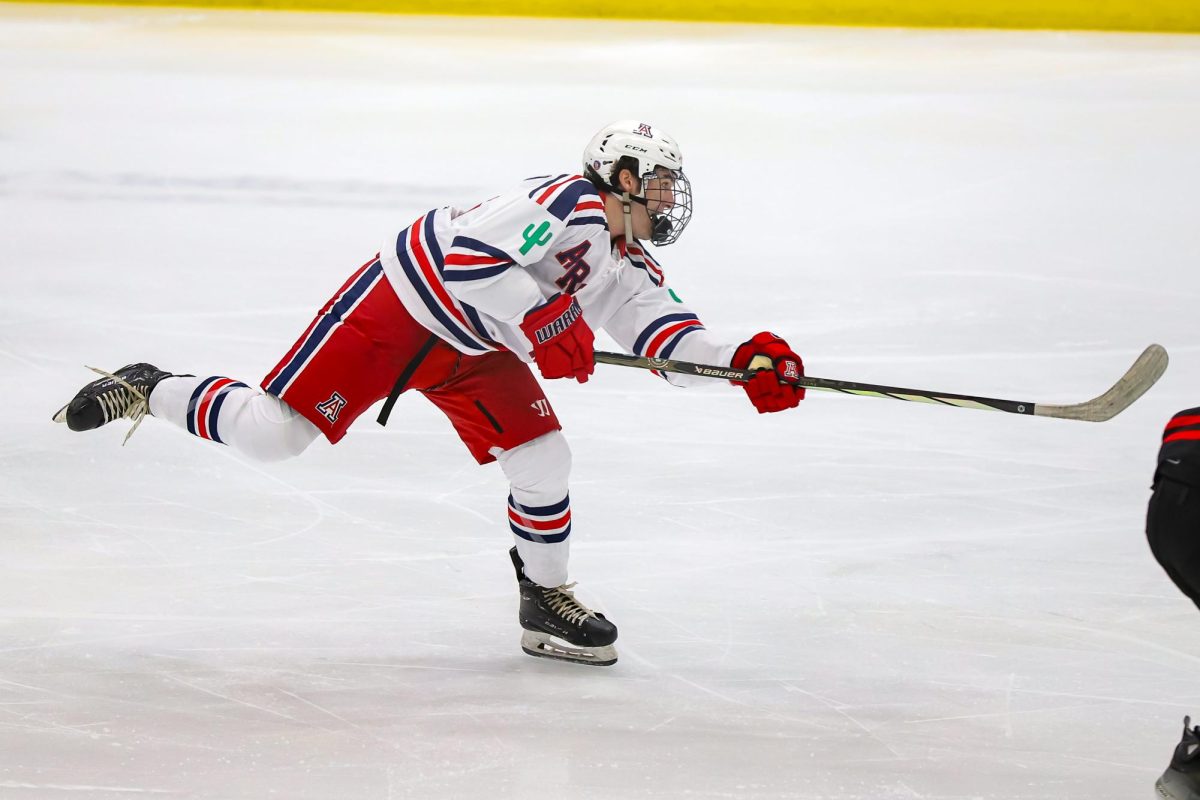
x=543, y=645
x=61, y=415
x=1173, y=787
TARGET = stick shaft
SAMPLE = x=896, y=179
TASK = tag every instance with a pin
x=822, y=384
x=1147, y=369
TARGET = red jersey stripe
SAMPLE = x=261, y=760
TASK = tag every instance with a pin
x=1181, y=435
x=430, y=274
x=463, y=260
x=657, y=341
x=1179, y=422
x=546, y=194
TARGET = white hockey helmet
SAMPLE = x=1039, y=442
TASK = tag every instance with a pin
x=649, y=148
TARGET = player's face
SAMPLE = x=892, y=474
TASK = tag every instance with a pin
x=660, y=191
x=668, y=196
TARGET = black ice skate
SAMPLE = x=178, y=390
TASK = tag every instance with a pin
x=559, y=626
x=1181, y=781
x=121, y=395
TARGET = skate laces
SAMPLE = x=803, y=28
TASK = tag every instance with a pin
x=124, y=401
x=562, y=602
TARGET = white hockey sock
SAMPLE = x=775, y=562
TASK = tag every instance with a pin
x=539, y=508
x=257, y=425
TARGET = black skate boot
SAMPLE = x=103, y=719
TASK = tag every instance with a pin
x=123, y=394
x=1181, y=781
x=549, y=615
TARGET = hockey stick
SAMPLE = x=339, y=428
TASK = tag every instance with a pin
x=1147, y=369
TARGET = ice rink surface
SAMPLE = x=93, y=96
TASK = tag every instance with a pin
x=860, y=600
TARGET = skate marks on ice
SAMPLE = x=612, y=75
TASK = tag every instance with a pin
x=409, y=657
x=109, y=791
x=77, y=186
x=1073, y=283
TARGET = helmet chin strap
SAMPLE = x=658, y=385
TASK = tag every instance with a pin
x=627, y=210
x=627, y=201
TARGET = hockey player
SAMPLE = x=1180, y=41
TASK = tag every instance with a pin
x=454, y=307
x=1173, y=531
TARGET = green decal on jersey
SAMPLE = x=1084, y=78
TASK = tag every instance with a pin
x=674, y=296
x=536, y=238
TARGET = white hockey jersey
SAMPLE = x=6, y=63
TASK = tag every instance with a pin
x=470, y=276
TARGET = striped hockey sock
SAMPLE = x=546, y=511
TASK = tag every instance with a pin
x=542, y=535
x=229, y=412
x=195, y=404
x=539, y=506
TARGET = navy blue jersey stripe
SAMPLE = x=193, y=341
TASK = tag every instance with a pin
x=318, y=335
x=462, y=274
x=195, y=401
x=540, y=538
x=325, y=326
x=355, y=293
x=589, y=221
x=642, y=260
x=555, y=179
x=414, y=278
x=467, y=242
x=564, y=204
x=670, y=347
x=541, y=511
x=431, y=242
x=473, y=318
x=649, y=272
x=655, y=326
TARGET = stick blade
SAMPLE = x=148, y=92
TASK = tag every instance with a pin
x=1144, y=373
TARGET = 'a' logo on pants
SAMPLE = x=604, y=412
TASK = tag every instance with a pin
x=332, y=407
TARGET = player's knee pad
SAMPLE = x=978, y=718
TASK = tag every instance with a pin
x=541, y=466
x=267, y=429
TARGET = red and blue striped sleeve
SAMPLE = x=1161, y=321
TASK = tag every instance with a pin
x=469, y=259
x=572, y=199
x=654, y=323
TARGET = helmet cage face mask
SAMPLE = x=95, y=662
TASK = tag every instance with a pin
x=651, y=150
x=667, y=224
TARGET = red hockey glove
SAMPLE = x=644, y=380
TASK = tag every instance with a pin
x=773, y=387
x=562, y=340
